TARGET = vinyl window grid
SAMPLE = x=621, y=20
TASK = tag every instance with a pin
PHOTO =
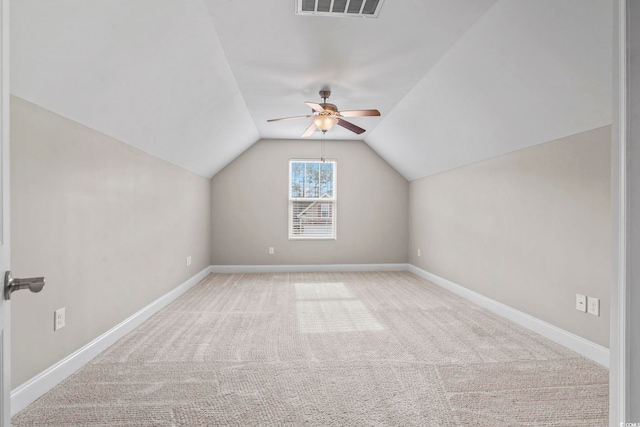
x=312, y=201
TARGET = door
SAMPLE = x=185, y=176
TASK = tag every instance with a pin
x=5, y=387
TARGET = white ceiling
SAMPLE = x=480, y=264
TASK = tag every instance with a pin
x=194, y=81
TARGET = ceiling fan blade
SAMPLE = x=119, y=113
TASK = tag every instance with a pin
x=359, y=113
x=348, y=125
x=315, y=107
x=309, y=130
x=290, y=118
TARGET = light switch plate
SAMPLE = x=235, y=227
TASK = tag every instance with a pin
x=593, y=306
x=581, y=303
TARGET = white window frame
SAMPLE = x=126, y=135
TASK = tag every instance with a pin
x=332, y=200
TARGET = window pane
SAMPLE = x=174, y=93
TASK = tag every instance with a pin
x=297, y=179
x=326, y=179
x=311, y=181
x=311, y=219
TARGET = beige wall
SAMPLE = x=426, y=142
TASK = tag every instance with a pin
x=108, y=225
x=529, y=229
x=250, y=205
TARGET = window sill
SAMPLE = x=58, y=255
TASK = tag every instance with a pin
x=313, y=238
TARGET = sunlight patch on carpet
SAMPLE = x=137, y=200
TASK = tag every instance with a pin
x=322, y=291
x=325, y=307
x=335, y=316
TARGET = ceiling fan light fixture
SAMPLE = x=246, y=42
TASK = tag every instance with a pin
x=325, y=116
x=324, y=122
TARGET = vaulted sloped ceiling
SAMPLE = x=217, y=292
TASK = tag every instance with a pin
x=527, y=73
x=194, y=81
x=150, y=73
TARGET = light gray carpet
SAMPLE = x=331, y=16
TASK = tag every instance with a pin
x=327, y=349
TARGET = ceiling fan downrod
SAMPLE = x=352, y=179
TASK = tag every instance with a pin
x=324, y=94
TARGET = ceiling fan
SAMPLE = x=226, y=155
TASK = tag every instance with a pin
x=326, y=115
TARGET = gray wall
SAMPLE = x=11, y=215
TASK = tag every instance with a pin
x=529, y=229
x=108, y=225
x=250, y=206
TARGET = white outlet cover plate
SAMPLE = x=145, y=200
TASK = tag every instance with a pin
x=593, y=306
x=59, y=319
x=581, y=303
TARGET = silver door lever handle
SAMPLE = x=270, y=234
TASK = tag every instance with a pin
x=34, y=284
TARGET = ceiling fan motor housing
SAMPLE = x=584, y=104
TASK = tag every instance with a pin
x=331, y=108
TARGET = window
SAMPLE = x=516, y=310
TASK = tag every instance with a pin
x=312, y=199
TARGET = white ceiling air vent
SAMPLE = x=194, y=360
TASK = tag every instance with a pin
x=360, y=8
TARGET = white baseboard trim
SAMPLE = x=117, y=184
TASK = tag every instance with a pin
x=582, y=346
x=31, y=390
x=307, y=268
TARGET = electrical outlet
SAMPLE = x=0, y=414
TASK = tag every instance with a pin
x=188, y=260
x=419, y=252
x=593, y=306
x=272, y=250
x=59, y=319
x=581, y=303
